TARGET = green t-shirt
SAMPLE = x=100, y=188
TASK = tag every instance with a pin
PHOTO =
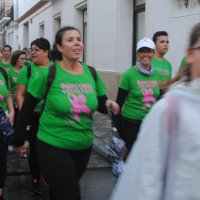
x=164, y=67
x=143, y=92
x=183, y=62
x=66, y=121
x=4, y=92
x=28, y=82
x=13, y=75
x=7, y=67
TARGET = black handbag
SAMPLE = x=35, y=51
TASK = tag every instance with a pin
x=6, y=129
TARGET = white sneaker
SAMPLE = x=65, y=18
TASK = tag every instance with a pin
x=10, y=148
x=24, y=156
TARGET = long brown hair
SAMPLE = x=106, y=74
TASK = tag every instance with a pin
x=184, y=74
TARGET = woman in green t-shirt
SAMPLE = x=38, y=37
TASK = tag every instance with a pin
x=17, y=61
x=65, y=134
x=138, y=91
x=7, y=104
x=40, y=49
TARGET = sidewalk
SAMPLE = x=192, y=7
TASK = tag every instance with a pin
x=102, y=132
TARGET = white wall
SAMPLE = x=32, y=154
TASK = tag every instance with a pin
x=25, y=5
x=109, y=29
x=44, y=15
x=177, y=20
x=125, y=36
x=110, y=34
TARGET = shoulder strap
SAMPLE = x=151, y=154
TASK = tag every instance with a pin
x=93, y=72
x=50, y=79
x=5, y=75
x=28, y=66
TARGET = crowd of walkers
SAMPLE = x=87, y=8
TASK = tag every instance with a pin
x=49, y=97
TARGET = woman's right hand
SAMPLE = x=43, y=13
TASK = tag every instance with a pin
x=22, y=149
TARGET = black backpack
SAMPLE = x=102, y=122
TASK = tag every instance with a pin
x=28, y=66
x=5, y=75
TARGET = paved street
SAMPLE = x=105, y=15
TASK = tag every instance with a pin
x=96, y=184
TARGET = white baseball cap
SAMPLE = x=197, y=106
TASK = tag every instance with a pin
x=145, y=42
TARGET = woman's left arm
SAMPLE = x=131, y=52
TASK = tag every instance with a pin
x=107, y=105
x=10, y=108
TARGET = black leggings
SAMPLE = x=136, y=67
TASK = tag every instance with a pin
x=129, y=131
x=32, y=136
x=62, y=170
x=3, y=161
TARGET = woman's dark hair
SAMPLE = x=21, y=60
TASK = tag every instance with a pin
x=7, y=46
x=15, y=57
x=184, y=74
x=42, y=43
x=55, y=53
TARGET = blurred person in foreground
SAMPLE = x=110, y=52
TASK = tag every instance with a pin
x=165, y=161
x=6, y=104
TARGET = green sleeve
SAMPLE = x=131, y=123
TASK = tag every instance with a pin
x=9, y=79
x=124, y=82
x=22, y=78
x=170, y=71
x=183, y=62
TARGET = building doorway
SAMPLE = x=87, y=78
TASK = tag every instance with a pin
x=138, y=24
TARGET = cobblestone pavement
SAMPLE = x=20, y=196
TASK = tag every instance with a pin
x=96, y=184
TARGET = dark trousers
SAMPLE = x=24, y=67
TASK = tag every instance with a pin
x=3, y=161
x=32, y=136
x=62, y=170
x=129, y=130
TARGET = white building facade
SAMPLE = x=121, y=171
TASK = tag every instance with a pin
x=110, y=28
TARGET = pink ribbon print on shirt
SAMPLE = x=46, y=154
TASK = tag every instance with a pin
x=75, y=94
x=147, y=91
x=1, y=97
x=148, y=97
x=78, y=103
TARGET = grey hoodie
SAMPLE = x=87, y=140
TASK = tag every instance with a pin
x=168, y=143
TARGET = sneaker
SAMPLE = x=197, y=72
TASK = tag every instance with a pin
x=25, y=155
x=36, y=188
x=10, y=148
